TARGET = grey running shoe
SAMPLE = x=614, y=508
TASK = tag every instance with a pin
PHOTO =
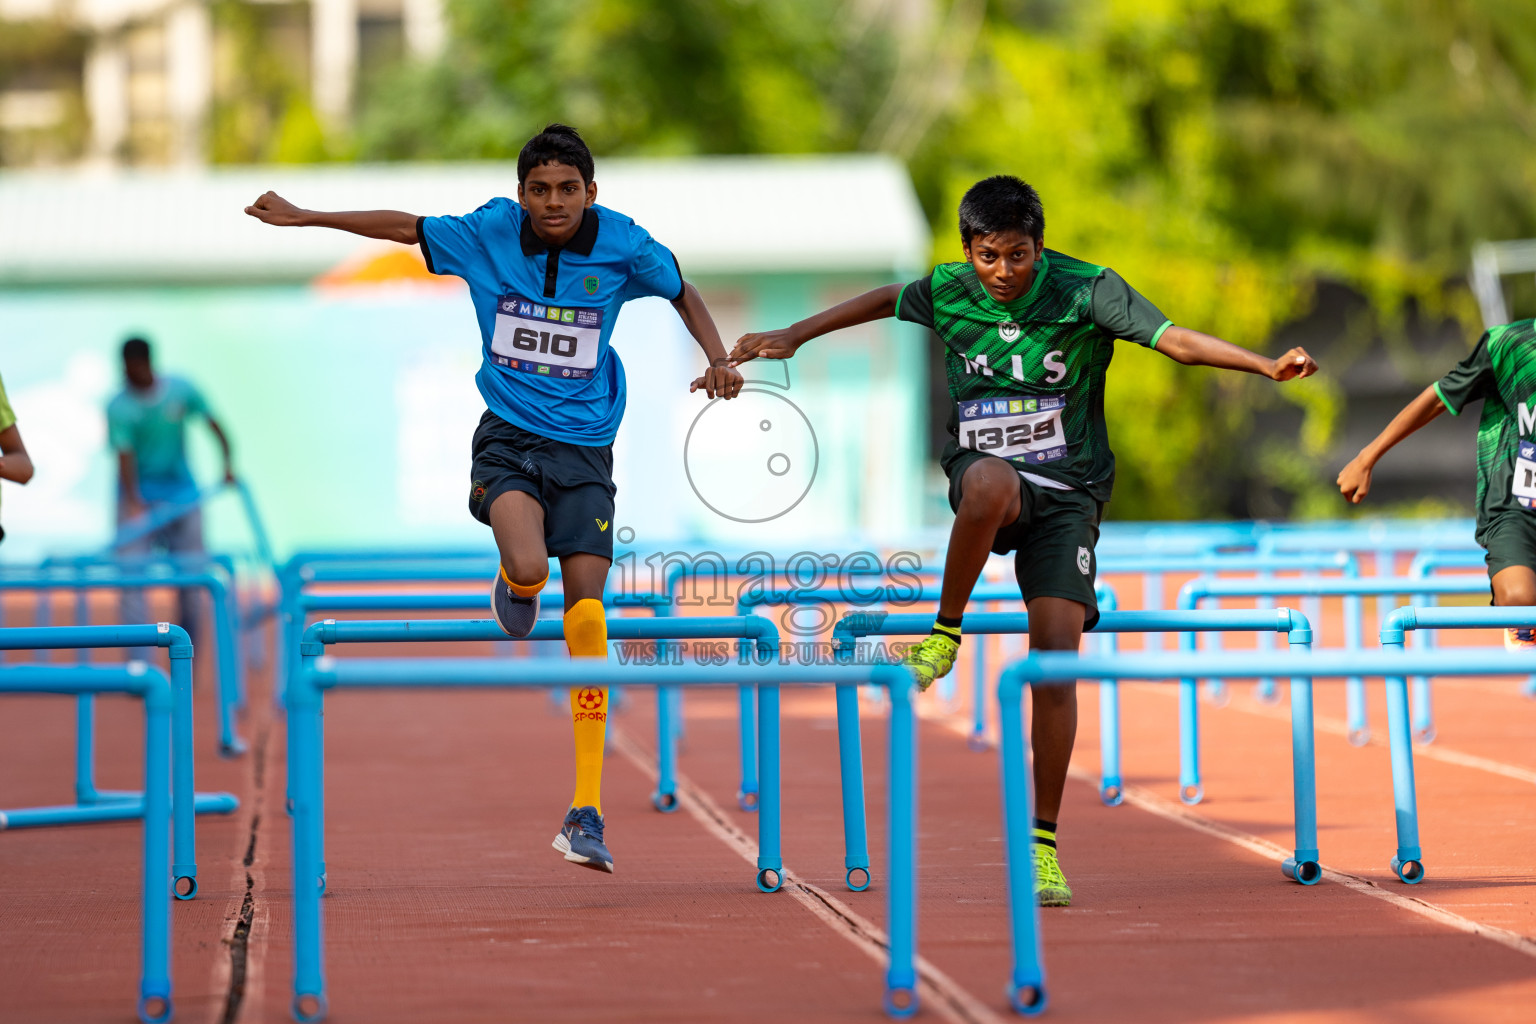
x=581, y=839
x=515, y=615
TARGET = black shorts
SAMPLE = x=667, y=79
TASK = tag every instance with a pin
x=573, y=483
x=1053, y=538
x=1511, y=540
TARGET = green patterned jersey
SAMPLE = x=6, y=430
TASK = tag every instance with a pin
x=1502, y=371
x=1026, y=378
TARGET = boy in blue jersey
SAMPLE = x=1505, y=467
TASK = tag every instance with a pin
x=547, y=275
x=147, y=428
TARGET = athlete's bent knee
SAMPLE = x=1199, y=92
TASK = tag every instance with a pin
x=1515, y=595
x=989, y=488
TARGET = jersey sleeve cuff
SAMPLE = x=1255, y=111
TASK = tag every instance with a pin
x=1444, y=401
x=421, y=240
x=682, y=286
x=1158, y=336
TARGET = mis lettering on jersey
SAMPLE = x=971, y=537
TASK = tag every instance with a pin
x=531, y=337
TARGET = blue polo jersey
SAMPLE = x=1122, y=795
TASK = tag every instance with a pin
x=546, y=314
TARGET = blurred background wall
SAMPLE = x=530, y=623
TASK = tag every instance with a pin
x=1293, y=172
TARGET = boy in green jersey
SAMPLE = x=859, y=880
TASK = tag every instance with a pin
x=1027, y=335
x=1501, y=371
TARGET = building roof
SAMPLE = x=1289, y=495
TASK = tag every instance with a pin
x=720, y=215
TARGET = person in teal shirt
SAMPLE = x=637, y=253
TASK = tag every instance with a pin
x=146, y=426
x=15, y=463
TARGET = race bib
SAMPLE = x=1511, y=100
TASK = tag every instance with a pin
x=1022, y=429
x=1523, y=487
x=552, y=341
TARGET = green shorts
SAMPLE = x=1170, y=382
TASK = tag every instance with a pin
x=1511, y=540
x=1052, y=540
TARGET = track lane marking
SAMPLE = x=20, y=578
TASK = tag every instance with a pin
x=1338, y=727
x=1167, y=809
x=936, y=990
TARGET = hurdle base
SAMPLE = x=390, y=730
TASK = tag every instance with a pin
x=1027, y=1000
x=1305, y=871
x=1409, y=870
x=1111, y=791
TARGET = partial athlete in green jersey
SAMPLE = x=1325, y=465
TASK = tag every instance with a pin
x=15, y=463
x=1028, y=335
x=1026, y=378
x=1501, y=371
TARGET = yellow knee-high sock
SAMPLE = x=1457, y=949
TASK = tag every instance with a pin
x=586, y=636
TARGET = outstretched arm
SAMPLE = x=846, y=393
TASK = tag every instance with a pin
x=15, y=463
x=720, y=380
x=1355, y=479
x=223, y=439
x=128, y=476
x=390, y=225
x=1192, y=348
x=783, y=343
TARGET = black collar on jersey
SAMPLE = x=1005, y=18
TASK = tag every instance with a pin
x=581, y=242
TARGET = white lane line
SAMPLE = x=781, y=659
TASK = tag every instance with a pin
x=1167, y=809
x=1337, y=727
x=936, y=990
x=1163, y=808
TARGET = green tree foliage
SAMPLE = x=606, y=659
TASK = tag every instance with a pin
x=638, y=76
x=261, y=110
x=42, y=60
x=1223, y=155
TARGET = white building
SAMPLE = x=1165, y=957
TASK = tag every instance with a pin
x=344, y=373
x=134, y=81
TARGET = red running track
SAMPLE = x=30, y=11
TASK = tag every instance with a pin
x=447, y=903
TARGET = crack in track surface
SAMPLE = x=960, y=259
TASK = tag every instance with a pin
x=239, y=940
x=935, y=988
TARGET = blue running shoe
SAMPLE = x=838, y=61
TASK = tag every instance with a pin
x=581, y=839
x=515, y=615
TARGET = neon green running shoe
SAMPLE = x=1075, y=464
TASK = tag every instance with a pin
x=932, y=659
x=1051, y=888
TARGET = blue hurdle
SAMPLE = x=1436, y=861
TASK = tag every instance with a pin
x=1026, y=986
x=305, y=699
x=92, y=805
x=1296, y=626
x=1359, y=733
x=847, y=699
x=151, y=685
x=1400, y=622
x=1424, y=565
x=753, y=629
x=1153, y=567
x=227, y=647
x=161, y=516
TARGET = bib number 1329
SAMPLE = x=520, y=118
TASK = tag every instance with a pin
x=1023, y=429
